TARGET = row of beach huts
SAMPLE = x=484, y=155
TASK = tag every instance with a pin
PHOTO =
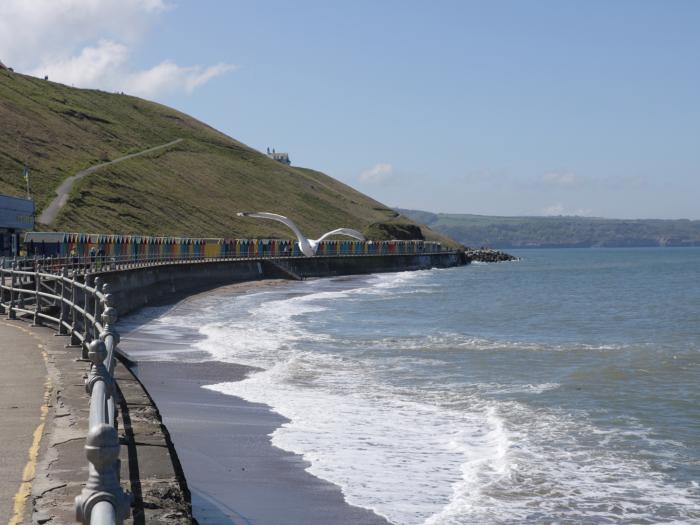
x=62, y=244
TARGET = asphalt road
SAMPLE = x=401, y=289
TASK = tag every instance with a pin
x=23, y=387
x=63, y=192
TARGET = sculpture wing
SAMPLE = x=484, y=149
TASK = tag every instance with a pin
x=307, y=247
x=275, y=217
x=343, y=231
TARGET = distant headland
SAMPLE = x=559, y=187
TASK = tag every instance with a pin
x=559, y=232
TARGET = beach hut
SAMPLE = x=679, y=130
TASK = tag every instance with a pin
x=212, y=248
x=45, y=243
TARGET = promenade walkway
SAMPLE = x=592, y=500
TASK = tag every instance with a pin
x=24, y=394
x=43, y=424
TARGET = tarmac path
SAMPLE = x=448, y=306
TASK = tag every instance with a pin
x=63, y=192
x=24, y=403
x=44, y=412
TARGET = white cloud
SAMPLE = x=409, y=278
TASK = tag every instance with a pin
x=168, y=77
x=559, y=178
x=33, y=31
x=89, y=43
x=378, y=174
x=94, y=67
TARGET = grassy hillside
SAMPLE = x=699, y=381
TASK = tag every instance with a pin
x=192, y=188
x=524, y=232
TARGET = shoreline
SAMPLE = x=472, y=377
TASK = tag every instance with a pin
x=234, y=472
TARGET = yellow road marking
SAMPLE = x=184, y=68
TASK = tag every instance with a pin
x=25, y=488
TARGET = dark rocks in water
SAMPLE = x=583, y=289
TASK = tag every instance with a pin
x=488, y=255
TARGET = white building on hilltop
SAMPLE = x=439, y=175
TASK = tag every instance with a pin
x=279, y=157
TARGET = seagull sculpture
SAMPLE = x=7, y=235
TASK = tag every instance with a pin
x=307, y=246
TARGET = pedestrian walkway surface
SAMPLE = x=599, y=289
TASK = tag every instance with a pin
x=24, y=389
x=43, y=423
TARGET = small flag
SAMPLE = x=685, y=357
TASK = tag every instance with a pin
x=26, y=180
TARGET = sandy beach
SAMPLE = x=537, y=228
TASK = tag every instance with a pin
x=235, y=474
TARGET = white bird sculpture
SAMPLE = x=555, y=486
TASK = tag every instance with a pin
x=307, y=246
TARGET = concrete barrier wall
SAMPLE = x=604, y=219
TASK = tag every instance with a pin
x=138, y=287
x=330, y=266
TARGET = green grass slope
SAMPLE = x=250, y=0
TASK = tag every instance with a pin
x=193, y=188
x=559, y=232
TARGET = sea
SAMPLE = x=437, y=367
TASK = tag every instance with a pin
x=562, y=388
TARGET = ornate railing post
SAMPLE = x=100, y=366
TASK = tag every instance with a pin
x=102, y=444
x=20, y=286
x=2, y=284
x=109, y=333
x=109, y=315
x=36, y=321
x=10, y=311
x=74, y=341
x=102, y=450
x=97, y=353
x=86, y=306
x=62, y=303
x=96, y=307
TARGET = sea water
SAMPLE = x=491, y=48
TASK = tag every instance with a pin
x=562, y=388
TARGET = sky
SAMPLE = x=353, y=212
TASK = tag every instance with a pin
x=492, y=107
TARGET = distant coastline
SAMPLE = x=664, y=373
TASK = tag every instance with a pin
x=560, y=232
x=591, y=247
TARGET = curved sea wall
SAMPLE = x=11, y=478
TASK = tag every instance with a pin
x=332, y=266
x=149, y=285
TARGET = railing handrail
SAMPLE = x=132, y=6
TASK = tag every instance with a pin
x=81, y=307
x=105, y=262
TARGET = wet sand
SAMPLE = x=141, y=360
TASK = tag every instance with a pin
x=235, y=474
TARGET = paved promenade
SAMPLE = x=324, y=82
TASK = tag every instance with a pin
x=43, y=424
x=24, y=398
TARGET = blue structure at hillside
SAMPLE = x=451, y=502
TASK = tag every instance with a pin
x=16, y=216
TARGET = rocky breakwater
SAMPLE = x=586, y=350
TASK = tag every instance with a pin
x=490, y=256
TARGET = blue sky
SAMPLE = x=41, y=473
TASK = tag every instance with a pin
x=491, y=107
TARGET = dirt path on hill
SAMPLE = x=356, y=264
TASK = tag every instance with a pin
x=63, y=192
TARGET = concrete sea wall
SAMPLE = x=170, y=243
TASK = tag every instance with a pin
x=151, y=285
x=331, y=266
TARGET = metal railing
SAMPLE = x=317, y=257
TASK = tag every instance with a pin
x=80, y=306
x=101, y=263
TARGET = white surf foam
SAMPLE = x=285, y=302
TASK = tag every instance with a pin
x=388, y=450
x=433, y=454
x=396, y=456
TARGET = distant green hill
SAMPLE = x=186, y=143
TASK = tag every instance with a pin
x=192, y=188
x=561, y=232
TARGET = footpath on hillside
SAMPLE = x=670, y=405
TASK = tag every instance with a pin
x=63, y=192
x=43, y=423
